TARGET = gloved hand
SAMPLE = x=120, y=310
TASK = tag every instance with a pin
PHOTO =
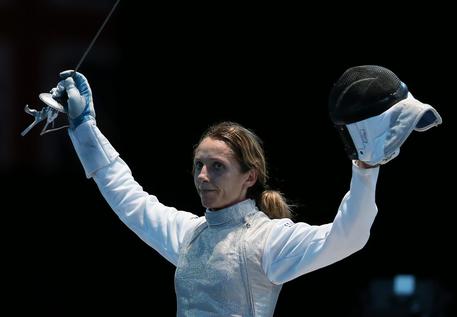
x=375, y=113
x=80, y=103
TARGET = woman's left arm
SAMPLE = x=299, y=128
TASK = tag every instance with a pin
x=294, y=249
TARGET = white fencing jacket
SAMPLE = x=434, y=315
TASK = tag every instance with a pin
x=231, y=262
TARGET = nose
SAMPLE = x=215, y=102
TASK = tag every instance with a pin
x=203, y=175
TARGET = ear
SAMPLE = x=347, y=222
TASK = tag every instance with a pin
x=252, y=178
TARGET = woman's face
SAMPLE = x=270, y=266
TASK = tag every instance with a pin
x=218, y=177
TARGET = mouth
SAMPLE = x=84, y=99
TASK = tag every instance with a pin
x=206, y=191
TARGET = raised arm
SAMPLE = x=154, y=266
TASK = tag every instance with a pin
x=374, y=114
x=162, y=227
x=292, y=249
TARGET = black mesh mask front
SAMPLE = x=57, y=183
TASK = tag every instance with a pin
x=363, y=92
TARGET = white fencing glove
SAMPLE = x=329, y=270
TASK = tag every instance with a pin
x=80, y=102
x=375, y=113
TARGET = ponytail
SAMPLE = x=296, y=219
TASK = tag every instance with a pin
x=274, y=204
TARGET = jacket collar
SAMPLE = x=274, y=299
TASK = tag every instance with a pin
x=234, y=214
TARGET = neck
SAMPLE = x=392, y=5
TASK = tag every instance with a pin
x=228, y=205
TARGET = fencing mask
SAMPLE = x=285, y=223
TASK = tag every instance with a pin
x=375, y=113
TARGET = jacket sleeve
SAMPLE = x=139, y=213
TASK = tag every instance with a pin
x=161, y=227
x=294, y=249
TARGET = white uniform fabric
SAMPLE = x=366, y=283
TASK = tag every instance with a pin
x=378, y=139
x=233, y=261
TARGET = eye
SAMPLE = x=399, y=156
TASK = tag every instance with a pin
x=198, y=165
x=218, y=166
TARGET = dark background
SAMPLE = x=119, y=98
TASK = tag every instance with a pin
x=160, y=75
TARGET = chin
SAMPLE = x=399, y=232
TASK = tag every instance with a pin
x=208, y=204
x=213, y=205
x=210, y=201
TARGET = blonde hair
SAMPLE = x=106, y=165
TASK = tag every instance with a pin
x=248, y=151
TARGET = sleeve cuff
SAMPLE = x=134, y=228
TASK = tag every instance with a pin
x=364, y=171
x=93, y=148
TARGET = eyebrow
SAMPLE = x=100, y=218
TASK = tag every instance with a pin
x=212, y=158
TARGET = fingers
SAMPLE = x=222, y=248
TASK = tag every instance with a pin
x=68, y=83
x=67, y=73
x=70, y=86
x=57, y=91
x=78, y=92
x=80, y=81
x=78, y=77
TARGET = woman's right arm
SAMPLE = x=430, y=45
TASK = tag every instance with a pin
x=161, y=227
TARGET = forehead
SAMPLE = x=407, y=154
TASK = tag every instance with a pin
x=212, y=148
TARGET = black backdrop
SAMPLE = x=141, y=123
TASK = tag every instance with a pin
x=160, y=76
